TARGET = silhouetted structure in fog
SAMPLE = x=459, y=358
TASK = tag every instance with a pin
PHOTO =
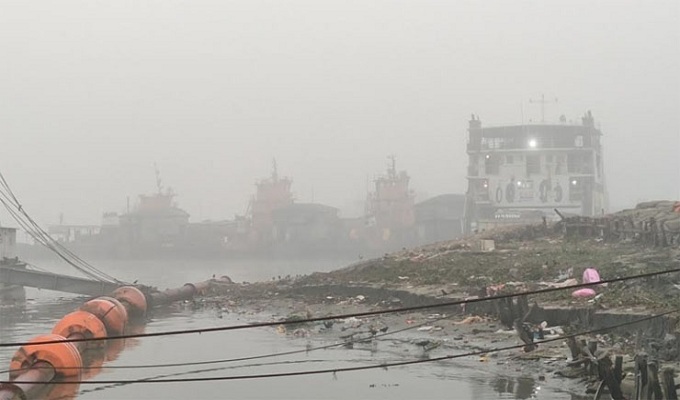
x=521, y=173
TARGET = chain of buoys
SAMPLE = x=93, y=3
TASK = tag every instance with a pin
x=100, y=317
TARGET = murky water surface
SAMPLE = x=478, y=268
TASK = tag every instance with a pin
x=142, y=358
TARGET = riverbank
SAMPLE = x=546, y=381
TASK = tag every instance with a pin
x=523, y=259
x=412, y=336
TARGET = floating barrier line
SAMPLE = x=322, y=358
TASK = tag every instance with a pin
x=350, y=369
x=350, y=315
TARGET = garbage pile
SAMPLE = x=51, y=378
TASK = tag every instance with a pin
x=665, y=213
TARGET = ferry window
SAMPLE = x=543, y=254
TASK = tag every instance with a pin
x=533, y=164
x=492, y=143
x=508, y=160
x=498, y=143
x=563, y=141
x=527, y=184
x=579, y=163
x=578, y=141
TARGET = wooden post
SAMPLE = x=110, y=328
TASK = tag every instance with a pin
x=618, y=368
x=522, y=308
x=524, y=336
x=506, y=315
x=669, y=384
x=653, y=388
x=640, y=376
x=609, y=378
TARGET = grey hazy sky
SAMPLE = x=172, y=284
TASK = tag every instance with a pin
x=92, y=93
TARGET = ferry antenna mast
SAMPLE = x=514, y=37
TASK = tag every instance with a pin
x=159, y=183
x=543, y=102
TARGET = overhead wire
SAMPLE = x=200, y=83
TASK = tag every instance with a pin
x=67, y=255
x=347, y=369
x=16, y=210
x=40, y=239
x=35, y=229
x=268, y=355
x=349, y=315
x=49, y=242
x=43, y=235
x=290, y=362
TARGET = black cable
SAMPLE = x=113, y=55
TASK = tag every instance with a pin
x=201, y=371
x=269, y=355
x=44, y=239
x=162, y=365
x=347, y=369
x=349, y=315
x=39, y=234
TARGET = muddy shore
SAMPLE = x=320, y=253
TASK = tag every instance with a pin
x=524, y=259
x=411, y=336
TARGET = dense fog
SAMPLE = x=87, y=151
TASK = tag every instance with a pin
x=92, y=94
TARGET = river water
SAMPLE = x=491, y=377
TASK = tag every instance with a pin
x=443, y=380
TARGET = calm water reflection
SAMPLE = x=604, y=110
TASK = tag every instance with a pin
x=521, y=388
x=123, y=359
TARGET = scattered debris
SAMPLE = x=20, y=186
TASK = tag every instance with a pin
x=470, y=320
x=583, y=293
x=523, y=259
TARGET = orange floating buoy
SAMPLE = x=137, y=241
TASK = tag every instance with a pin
x=119, y=306
x=134, y=298
x=110, y=311
x=84, y=323
x=63, y=357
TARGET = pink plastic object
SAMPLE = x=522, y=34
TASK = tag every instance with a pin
x=590, y=275
x=583, y=293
